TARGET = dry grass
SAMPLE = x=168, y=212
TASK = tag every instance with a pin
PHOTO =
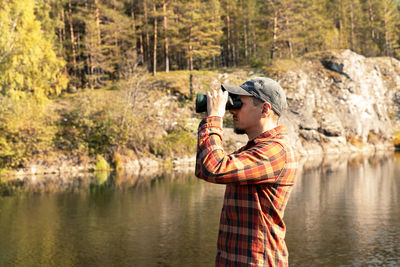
x=355, y=140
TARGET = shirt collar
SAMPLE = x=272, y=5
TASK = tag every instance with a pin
x=270, y=134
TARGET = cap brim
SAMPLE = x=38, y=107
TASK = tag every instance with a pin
x=234, y=89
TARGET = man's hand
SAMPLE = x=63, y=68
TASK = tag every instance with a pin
x=216, y=102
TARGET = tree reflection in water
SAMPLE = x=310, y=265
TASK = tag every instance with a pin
x=346, y=212
x=343, y=211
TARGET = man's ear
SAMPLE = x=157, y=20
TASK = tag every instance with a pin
x=266, y=108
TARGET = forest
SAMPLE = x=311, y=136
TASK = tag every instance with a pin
x=48, y=47
x=91, y=43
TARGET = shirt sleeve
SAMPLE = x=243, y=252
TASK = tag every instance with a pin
x=261, y=163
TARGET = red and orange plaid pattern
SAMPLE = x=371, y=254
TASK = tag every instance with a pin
x=259, y=178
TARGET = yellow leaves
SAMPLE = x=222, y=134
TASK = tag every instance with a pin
x=5, y=149
x=33, y=66
x=396, y=139
x=26, y=127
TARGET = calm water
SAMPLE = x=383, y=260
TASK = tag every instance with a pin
x=345, y=213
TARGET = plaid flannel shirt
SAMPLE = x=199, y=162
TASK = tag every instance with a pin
x=259, y=178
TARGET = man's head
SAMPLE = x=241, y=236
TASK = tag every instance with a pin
x=263, y=102
x=263, y=89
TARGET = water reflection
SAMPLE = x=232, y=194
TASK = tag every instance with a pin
x=347, y=215
x=343, y=212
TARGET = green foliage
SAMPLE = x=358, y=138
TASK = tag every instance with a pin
x=177, y=142
x=98, y=122
x=101, y=163
x=101, y=177
x=256, y=62
x=87, y=126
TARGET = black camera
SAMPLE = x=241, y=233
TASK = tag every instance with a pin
x=233, y=102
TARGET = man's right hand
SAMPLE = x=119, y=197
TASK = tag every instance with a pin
x=216, y=102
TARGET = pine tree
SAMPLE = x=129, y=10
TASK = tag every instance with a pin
x=390, y=27
x=369, y=28
x=93, y=61
x=316, y=33
x=198, y=29
x=282, y=24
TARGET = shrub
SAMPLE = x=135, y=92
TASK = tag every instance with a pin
x=26, y=129
x=88, y=127
x=103, y=121
x=101, y=163
x=177, y=142
x=355, y=140
x=373, y=138
x=396, y=140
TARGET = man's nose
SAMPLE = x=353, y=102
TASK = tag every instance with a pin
x=232, y=111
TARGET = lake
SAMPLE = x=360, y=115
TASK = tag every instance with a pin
x=342, y=212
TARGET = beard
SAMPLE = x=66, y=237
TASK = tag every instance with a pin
x=238, y=131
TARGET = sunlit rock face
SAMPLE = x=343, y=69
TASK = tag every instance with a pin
x=342, y=102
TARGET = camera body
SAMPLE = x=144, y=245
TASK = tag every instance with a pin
x=201, y=102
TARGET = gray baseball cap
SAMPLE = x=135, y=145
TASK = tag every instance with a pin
x=264, y=89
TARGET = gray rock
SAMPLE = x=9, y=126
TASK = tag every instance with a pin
x=348, y=97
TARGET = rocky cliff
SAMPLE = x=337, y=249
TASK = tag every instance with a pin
x=342, y=102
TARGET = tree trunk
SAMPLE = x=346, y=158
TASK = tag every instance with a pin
x=246, y=53
x=234, y=54
x=166, y=36
x=229, y=40
x=191, y=58
x=116, y=37
x=71, y=28
x=386, y=28
x=155, y=42
x=289, y=42
x=95, y=59
x=63, y=26
x=190, y=50
x=371, y=19
x=191, y=84
x=341, y=39
x=254, y=42
x=97, y=18
x=134, y=48
x=146, y=33
x=60, y=32
x=275, y=35
x=78, y=53
x=352, y=24
x=141, y=50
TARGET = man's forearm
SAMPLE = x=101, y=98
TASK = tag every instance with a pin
x=260, y=164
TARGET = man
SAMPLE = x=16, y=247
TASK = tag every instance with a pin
x=259, y=176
